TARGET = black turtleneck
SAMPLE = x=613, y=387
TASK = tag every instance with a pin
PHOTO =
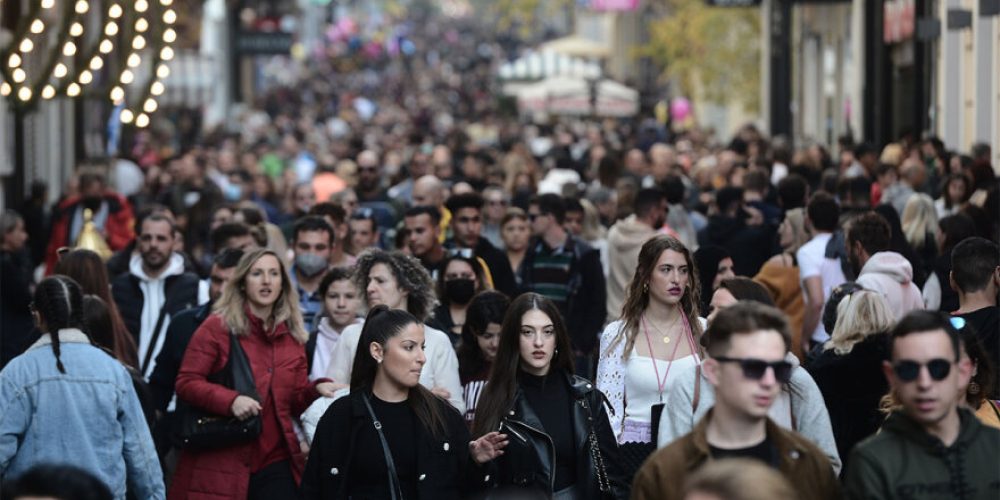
x=550, y=399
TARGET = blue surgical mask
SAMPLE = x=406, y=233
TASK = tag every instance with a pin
x=232, y=192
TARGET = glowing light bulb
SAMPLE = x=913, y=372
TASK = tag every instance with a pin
x=126, y=116
x=76, y=30
x=73, y=90
x=142, y=121
x=139, y=42
x=24, y=94
x=149, y=106
x=166, y=3
x=18, y=75
x=37, y=26
x=4, y=89
x=167, y=53
x=141, y=25
x=14, y=61
x=106, y=46
x=169, y=35
x=162, y=71
x=117, y=94
x=170, y=17
x=115, y=11
x=60, y=70
x=96, y=63
x=111, y=29
x=48, y=92
x=86, y=77
x=82, y=6
x=47, y=4
x=127, y=77
x=26, y=45
x=133, y=60
x=69, y=49
x=156, y=88
x=141, y=6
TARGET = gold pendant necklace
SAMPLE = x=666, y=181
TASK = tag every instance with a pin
x=666, y=337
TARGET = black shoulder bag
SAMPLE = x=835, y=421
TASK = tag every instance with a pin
x=200, y=429
x=395, y=490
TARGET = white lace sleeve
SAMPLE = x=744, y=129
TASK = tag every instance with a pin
x=611, y=376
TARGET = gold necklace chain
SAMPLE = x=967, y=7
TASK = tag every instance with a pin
x=666, y=337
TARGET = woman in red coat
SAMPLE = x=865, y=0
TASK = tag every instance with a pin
x=260, y=306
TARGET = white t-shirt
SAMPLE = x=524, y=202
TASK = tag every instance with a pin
x=641, y=387
x=812, y=261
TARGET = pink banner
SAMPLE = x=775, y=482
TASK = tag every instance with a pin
x=614, y=4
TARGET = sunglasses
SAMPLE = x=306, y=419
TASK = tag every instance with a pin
x=465, y=253
x=532, y=217
x=754, y=369
x=908, y=371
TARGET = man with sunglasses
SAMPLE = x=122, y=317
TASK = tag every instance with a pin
x=746, y=345
x=931, y=447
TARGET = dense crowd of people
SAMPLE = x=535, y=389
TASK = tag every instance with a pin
x=380, y=285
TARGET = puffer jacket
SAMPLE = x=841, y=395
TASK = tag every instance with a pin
x=529, y=458
x=904, y=461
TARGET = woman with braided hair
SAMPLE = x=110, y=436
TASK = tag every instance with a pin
x=67, y=401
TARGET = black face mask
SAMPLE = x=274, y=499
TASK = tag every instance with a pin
x=92, y=202
x=459, y=291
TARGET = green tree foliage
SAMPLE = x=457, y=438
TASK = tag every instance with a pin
x=710, y=52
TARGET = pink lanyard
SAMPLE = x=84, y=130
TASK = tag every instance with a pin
x=661, y=383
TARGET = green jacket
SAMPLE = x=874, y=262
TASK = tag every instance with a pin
x=905, y=462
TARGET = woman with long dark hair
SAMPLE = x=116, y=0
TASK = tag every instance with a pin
x=478, y=349
x=560, y=443
x=259, y=306
x=391, y=437
x=67, y=401
x=655, y=338
x=87, y=269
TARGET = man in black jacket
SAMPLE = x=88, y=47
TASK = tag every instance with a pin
x=467, y=227
x=182, y=328
x=155, y=288
x=567, y=271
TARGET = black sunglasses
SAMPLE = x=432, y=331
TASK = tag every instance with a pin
x=908, y=371
x=465, y=253
x=754, y=369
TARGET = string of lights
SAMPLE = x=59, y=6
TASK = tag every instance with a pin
x=137, y=32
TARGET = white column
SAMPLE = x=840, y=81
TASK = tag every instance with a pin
x=949, y=81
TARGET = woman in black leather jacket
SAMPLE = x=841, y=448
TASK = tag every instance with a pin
x=559, y=439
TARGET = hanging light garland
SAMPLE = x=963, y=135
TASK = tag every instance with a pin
x=145, y=29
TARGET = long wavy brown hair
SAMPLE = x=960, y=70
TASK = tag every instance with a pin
x=234, y=298
x=637, y=295
x=87, y=269
x=498, y=395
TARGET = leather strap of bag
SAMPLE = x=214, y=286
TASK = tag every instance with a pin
x=394, y=488
x=152, y=342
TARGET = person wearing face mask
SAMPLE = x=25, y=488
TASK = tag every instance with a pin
x=112, y=216
x=400, y=282
x=460, y=277
x=312, y=241
x=478, y=348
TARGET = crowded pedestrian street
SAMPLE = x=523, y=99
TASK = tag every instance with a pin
x=499, y=250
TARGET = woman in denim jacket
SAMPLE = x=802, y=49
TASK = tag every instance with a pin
x=67, y=401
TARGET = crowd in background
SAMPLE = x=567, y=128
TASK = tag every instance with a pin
x=389, y=232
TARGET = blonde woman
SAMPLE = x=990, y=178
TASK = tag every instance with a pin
x=849, y=370
x=260, y=307
x=780, y=274
x=920, y=226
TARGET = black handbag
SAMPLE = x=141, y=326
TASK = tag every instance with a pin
x=199, y=429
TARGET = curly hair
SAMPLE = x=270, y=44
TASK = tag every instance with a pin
x=410, y=275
